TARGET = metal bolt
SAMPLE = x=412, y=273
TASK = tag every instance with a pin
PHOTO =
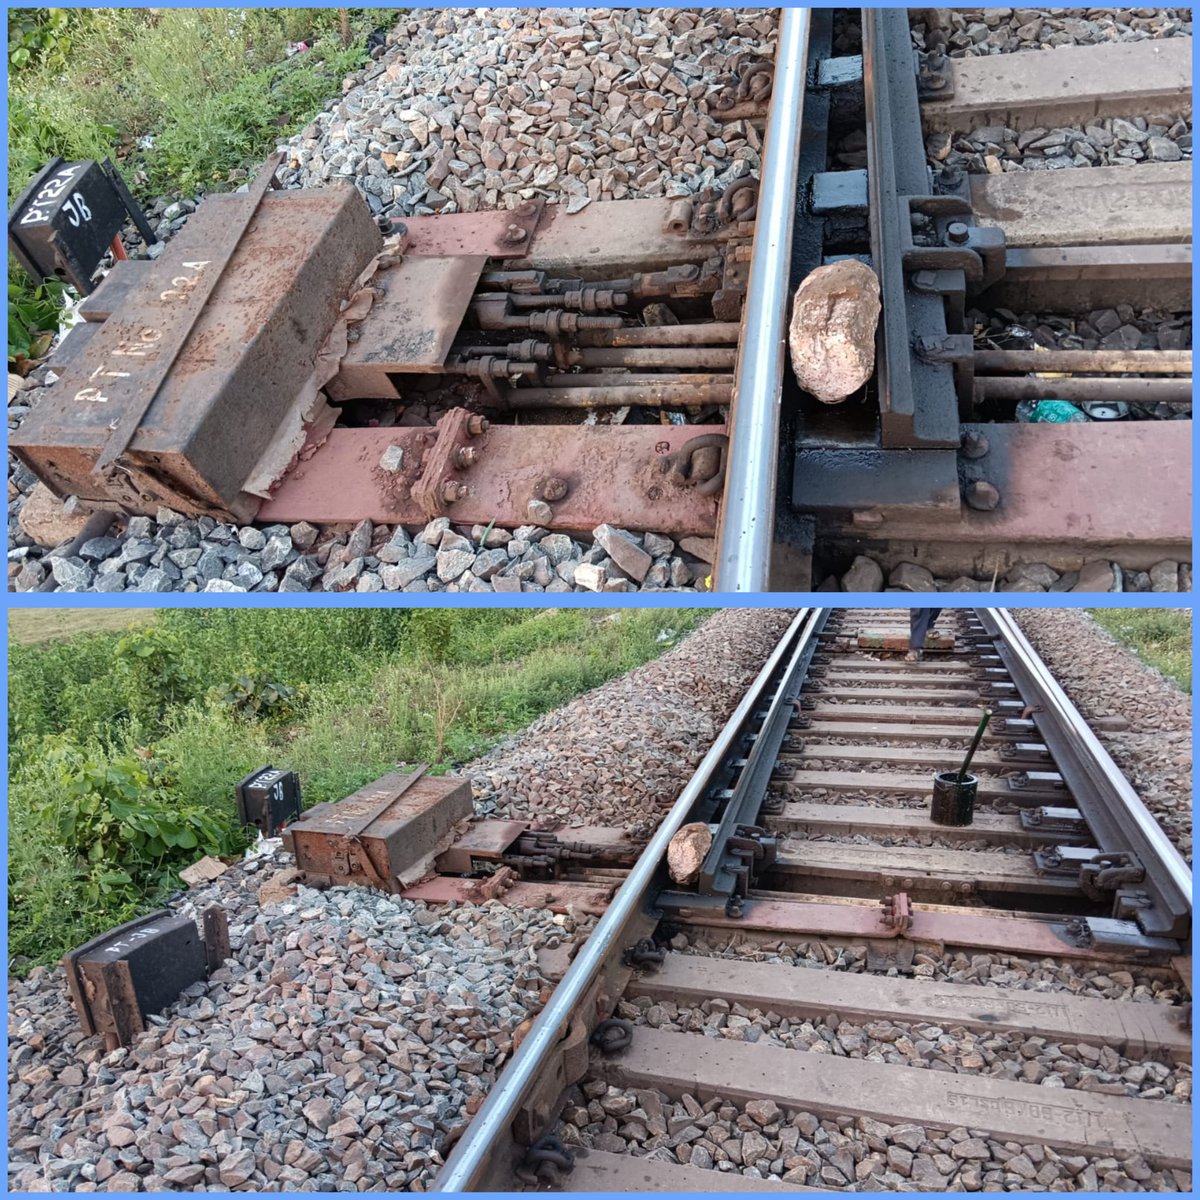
x=982, y=495
x=477, y=424
x=551, y=488
x=452, y=491
x=957, y=232
x=526, y=209
x=514, y=235
x=466, y=456
x=974, y=445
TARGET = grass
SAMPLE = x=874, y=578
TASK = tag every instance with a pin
x=1160, y=637
x=126, y=742
x=30, y=625
x=111, y=82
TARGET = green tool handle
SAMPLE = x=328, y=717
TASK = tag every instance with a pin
x=983, y=721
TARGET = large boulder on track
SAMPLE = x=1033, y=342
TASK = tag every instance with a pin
x=832, y=333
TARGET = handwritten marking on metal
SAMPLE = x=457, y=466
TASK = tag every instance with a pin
x=117, y=948
x=159, y=347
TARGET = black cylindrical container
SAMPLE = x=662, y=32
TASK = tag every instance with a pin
x=953, y=802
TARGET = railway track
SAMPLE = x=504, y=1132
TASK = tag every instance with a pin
x=623, y=365
x=847, y=995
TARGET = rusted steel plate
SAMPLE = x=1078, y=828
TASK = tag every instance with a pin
x=615, y=237
x=1129, y=1028
x=557, y=897
x=480, y=233
x=249, y=354
x=612, y=474
x=1095, y=486
x=133, y=384
x=604, y=1173
x=1075, y=85
x=1067, y=1119
x=111, y=292
x=1150, y=203
x=480, y=847
x=412, y=323
x=858, y=920
x=381, y=833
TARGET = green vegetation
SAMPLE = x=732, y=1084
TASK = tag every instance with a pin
x=42, y=624
x=125, y=745
x=1161, y=637
x=182, y=99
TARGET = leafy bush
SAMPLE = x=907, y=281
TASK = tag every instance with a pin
x=93, y=83
x=257, y=696
x=127, y=837
x=33, y=316
x=126, y=746
x=152, y=661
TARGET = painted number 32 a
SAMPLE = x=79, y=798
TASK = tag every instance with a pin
x=77, y=210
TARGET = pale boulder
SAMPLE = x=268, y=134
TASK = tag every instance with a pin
x=685, y=854
x=832, y=333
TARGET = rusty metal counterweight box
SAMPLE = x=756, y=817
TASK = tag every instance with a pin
x=384, y=835
x=249, y=352
x=119, y=978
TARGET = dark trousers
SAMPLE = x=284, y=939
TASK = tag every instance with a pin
x=920, y=622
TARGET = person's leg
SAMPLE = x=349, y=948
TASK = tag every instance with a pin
x=919, y=621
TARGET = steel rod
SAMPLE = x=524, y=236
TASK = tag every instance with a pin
x=631, y=378
x=468, y=1161
x=649, y=395
x=714, y=333
x=747, y=516
x=1107, y=362
x=1136, y=391
x=659, y=356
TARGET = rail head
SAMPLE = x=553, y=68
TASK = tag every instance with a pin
x=746, y=533
x=1112, y=809
x=470, y=1161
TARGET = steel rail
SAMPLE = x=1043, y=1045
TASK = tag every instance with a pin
x=468, y=1161
x=1112, y=809
x=747, y=514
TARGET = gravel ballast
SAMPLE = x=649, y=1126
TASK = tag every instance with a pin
x=1143, y=719
x=620, y=755
x=352, y=1031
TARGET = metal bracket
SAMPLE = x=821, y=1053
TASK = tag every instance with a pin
x=545, y=1163
x=644, y=953
x=1108, y=873
x=1050, y=820
x=1108, y=933
x=897, y=913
